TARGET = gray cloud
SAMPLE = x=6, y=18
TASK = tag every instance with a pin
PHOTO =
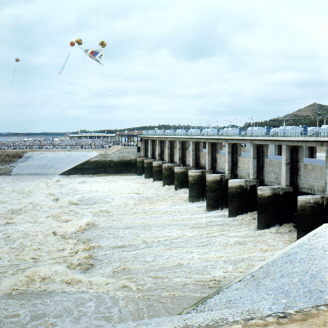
x=166, y=62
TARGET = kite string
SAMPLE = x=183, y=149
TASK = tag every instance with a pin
x=65, y=63
x=14, y=73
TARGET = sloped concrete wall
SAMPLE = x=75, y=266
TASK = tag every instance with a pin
x=118, y=160
x=50, y=163
x=295, y=278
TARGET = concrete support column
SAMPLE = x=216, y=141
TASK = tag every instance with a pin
x=216, y=192
x=168, y=174
x=252, y=161
x=158, y=171
x=227, y=158
x=252, y=195
x=143, y=148
x=326, y=170
x=167, y=151
x=178, y=155
x=148, y=166
x=285, y=165
x=158, y=149
x=180, y=177
x=192, y=154
x=310, y=214
x=268, y=201
x=197, y=185
x=238, y=197
x=208, y=155
x=325, y=205
x=275, y=205
x=140, y=166
x=150, y=148
x=288, y=206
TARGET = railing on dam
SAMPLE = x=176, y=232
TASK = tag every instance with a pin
x=283, y=131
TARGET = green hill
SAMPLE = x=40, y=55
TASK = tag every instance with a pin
x=309, y=115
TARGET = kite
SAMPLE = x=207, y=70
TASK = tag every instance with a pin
x=96, y=55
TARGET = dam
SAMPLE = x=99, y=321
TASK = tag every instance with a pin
x=284, y=161
x=85, y=213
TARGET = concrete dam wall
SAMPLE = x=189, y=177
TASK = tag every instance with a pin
x=49, y=163
x=115, y=160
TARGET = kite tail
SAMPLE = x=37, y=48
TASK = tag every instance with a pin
x=64, y=63
x=14, y=73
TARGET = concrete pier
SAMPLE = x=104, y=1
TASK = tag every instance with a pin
x=325, y=210
x=268, y=203
x=238, y=196
x=252, y=195
x=148, y=165
x=288, y=206
x=140, y=166
x=180, y=177
x=158, y=171
x=225, y=195
x=197, y=185
x=310, y=214
x=168, y=174
x=216, y=192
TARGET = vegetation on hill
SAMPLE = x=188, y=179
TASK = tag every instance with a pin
x=310, y=115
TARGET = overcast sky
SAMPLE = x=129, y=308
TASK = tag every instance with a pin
x=200, y=62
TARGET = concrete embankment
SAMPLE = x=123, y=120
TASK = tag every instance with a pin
x=115, y=160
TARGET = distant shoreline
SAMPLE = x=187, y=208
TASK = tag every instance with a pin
x=32, y=134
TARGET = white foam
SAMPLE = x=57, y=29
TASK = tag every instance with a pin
x=139, y=248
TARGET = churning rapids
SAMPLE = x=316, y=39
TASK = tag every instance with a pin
x=96, y=251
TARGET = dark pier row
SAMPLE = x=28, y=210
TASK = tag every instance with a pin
x=270, y=175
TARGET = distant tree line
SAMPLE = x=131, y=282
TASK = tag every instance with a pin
x=296, y=121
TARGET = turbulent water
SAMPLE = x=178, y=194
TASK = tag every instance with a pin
x=102, y=250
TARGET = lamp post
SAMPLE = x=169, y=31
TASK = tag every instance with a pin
x=285, y=120
x=318, y=121
x=258, y=120
x=318, y=113
x=325, y=119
